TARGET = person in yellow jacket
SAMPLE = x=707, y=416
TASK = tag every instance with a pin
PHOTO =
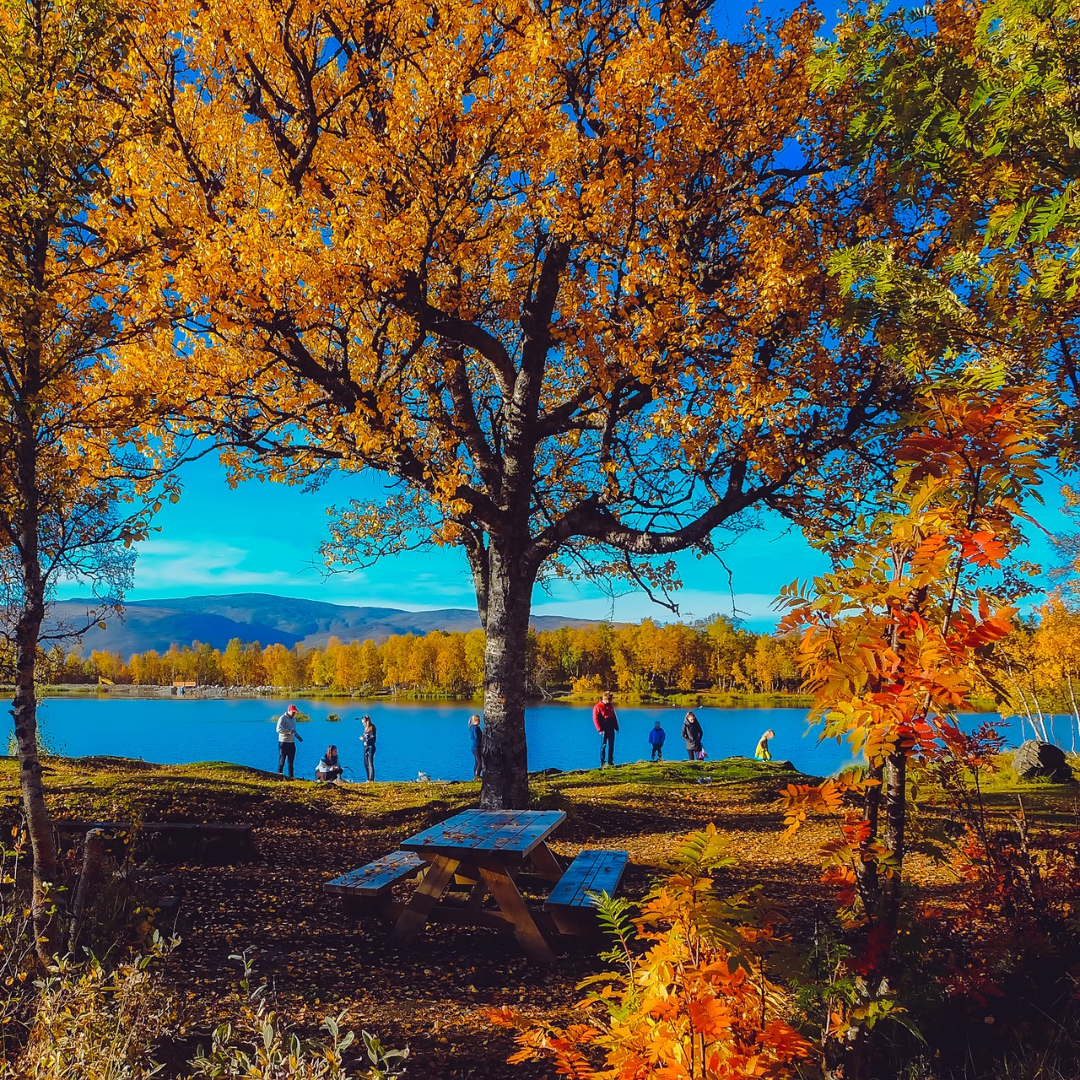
x=762, y=751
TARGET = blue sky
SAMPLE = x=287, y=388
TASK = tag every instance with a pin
x=262, y=537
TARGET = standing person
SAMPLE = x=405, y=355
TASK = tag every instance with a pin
x=328, y=768
x=476, y=739
x=287, y=740
x=656, y=741
x=607, y=723
x=761, y=751
x=692, y=735
x=368, y=741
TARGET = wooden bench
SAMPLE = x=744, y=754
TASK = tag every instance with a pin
x=370, y=885
x=570, y=903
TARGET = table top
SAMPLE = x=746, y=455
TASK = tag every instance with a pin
x=504, y=832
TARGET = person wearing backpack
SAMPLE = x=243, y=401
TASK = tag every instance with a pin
x=607, y=723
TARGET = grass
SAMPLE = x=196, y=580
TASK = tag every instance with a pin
x=680, y=773
x=95, y=787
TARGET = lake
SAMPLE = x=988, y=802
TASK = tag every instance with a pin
x=413, y=737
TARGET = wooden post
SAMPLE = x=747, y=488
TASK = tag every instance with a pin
x=93, y=857
x=510, y=901
x=546, y=862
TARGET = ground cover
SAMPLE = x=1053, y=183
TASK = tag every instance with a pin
x=432, y=996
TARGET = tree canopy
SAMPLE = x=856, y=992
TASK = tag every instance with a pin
x=973, y=110
x=74, y=487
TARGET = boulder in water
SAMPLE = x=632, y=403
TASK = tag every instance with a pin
x=1036, y=760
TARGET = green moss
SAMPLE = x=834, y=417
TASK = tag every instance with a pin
x=735, y=770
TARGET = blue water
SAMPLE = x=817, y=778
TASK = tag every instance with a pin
x=413, y=737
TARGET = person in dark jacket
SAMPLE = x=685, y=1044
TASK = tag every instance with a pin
x=656, y=741
x=692, y=735
x=607, y=723
x=476, y=738
x=368, y=741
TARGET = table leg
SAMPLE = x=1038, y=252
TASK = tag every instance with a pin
x=546, y=862
x=468, y=876
x=513, y=906
x=428, y=893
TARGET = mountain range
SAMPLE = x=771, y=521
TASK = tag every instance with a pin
x=267, y=619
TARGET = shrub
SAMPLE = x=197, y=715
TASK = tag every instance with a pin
x=96, y=1023
x=696, y=1004
x=258, y=1046
x=586, y=685
x=18, y=960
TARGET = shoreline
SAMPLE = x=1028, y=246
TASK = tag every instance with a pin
x=704, y=699
x=699, y=700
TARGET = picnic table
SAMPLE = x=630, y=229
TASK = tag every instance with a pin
x=485, y=852
x=492, y=847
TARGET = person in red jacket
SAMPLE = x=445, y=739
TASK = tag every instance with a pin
x=607, y=723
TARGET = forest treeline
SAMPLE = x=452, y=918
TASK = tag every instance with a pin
x=1038, y=664
x=1038, y=669
x=642, y=659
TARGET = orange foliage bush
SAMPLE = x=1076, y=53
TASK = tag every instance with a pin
x=696, y=1004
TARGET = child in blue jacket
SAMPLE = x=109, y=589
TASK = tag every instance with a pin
x=656, y=741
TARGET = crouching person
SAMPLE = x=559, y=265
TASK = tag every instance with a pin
x=328, y=767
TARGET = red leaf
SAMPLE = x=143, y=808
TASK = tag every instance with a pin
x=983, y=549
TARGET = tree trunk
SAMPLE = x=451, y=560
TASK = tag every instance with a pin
x=894, y=837
x=89, y=879
x=39, y=826
x=31, y=613
x=1075, y=710
x=874, y=984
x=867, y=871
x=1024, y=704
x=506, y=623
x=1041, y=733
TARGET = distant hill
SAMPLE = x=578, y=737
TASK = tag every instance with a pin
x=157, y=624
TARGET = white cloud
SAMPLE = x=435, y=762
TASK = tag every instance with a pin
x=173, y=566
x=189, y=567
x=755, y=609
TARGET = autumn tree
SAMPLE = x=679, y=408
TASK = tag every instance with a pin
x=73, y=486
x=894, y=642
x=1038, y=670
x=1057, y=644
x=324, y=663
x=371, y=668
x=558, y=270
x=972, y=108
